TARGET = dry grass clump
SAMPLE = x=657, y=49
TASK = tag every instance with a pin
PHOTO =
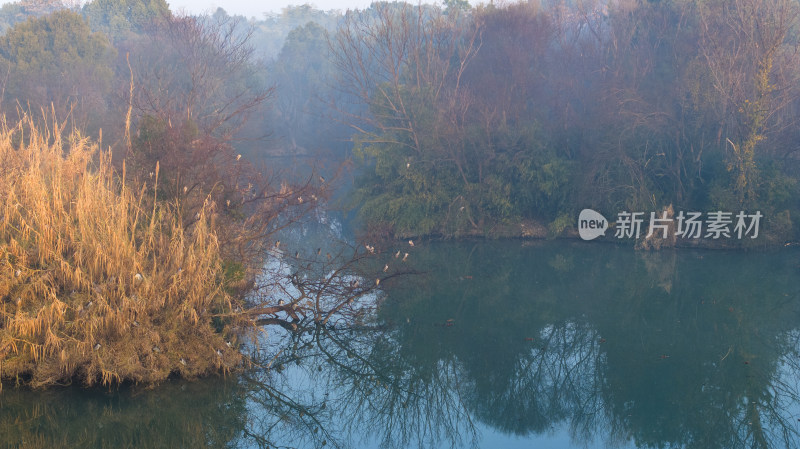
x=99, y=283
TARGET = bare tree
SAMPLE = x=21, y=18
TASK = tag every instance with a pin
x=404, y=64
x=748, y=46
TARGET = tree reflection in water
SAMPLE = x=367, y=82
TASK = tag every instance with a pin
x=618, y=348
x=205, y=413
x=673, y=349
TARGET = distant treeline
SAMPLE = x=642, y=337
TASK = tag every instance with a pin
x=79, y=60
x=460, y=118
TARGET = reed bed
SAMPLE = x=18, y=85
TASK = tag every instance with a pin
x=101, y=283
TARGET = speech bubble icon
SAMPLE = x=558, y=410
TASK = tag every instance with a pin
x=591, y=224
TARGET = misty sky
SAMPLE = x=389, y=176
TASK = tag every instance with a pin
x=256, y=8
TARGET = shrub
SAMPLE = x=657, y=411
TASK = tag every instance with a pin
x=98, y=282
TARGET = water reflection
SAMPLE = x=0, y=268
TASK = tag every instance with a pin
x=207, y=413
x=678, y=349
x=612, y=347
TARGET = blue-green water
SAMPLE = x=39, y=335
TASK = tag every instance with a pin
x=497, y=345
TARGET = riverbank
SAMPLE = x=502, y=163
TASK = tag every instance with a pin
x=535, y=230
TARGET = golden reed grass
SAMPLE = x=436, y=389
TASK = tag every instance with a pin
x=100, y=283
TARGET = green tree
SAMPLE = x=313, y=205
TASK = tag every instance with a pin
x=57, y=61
x=301, y=74
x=11, y=14
x=118, y=18
x=449, y=144
x=269, y=34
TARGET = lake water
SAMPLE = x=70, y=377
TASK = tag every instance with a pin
x=499, y=344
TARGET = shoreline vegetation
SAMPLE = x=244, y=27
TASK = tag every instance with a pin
x=529, y=112
x=106, y=279
x=145, y=258
x=102, y=283
x=148, y=260
x=533, y=231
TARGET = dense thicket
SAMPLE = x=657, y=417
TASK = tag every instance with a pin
x=99, y=282
x=491, y=115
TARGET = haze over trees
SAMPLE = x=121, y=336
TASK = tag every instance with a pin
x=458, y=120
x=155, y=225
x=535, y=110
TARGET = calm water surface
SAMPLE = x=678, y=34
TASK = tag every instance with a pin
x=496, y=345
